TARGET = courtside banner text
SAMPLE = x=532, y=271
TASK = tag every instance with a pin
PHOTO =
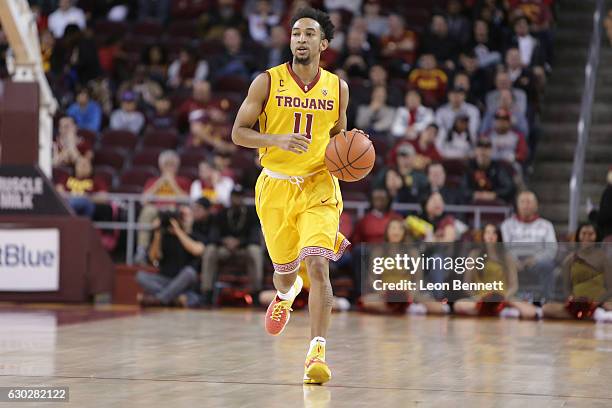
x=29, y=260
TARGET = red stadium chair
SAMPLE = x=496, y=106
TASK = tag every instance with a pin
x=106, y=173
x=88, y=135
x=146, y=157
x=182, y=29
x=149, y=28
x=167, y=139
x=110, y=156
x=190, y=173
x=106, y=27
x=137, y=176
x=231, y=83
x=119, y=138
x=192, y=157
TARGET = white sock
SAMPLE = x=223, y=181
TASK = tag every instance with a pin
x=510, y=312
x=317, y=340
x=417, y=309
x=286, y=296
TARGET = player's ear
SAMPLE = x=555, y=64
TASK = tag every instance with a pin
x=324, y=44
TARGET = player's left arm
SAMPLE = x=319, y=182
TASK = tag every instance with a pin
x=344, y=100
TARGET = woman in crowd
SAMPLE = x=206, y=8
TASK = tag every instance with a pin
x=499, y=266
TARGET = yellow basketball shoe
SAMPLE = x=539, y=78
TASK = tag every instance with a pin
x=316, y=370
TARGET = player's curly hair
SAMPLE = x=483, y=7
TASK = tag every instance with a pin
x=321, y=17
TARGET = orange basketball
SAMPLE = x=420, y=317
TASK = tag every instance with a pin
x=350, y=155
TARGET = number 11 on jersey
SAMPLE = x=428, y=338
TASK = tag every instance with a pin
x=297, y=124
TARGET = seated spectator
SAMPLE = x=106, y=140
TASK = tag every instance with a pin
x=371, y=228
x=377, y=117
x=537, y=259
x=517, y=118
x=540, y=18
x=424, y=147
x=86, y=113
x=146, y=89
x=212, y=185
x=168, y=185
x=429, y=81
x=185, y=70
x=522, y=77
x=127, y=117
x=278, y=50
x=261, y=21
x=411, y=119
x=399, y=46
x=357, y=55
x=458, y=25
x=443, y=228
x=83, y=183
x=225, y=15
x=177, y=250
x=440, y=43
x=74, y=59
x=162, y=118
x=68, y=146
x=486, y=180
x=586, y=276
x=414, y=180
x=222, y=162
x=499, y=266
x=604, y=217
x=205, y=133
x=483, y=48
x=480, y=78
x=503, y=82
x=508, y=145
x=458, y=142
x=532, y=54
x=201, y=98
x=336, y=45
x=156, y=61
x=436, y=182
x=447, y=113
x=65, y=14
x=238, y=236
x=377, y=24
x=234, y=60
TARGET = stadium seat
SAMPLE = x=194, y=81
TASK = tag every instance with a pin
x=137, y=176
x=167, y=139
x=231, y=83
x=190, y=173
x=135, y=44
x=110, y=156
x=149, y=28
x=146, y=157
x=106, y=27
x=119, y=138
x=106, y=173
x=88, y=135
x=192, y=157
x=182, y=29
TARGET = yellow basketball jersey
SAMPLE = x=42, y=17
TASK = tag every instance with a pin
x=295, y=107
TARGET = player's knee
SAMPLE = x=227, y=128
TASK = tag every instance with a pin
x=318, y=269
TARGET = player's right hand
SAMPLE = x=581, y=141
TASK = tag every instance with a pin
x=293, y=142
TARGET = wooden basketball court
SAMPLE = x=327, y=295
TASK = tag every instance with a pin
x=174, y=358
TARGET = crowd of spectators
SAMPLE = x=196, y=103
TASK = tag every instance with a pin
x=449, y=92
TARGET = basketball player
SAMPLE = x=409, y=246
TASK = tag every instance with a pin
x=299, y=106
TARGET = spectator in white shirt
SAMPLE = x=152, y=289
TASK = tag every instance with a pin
x=413, y=118
x=503, y=81
x=458, y=142
x=261, y=21
x=212, y=185
x=532, y=240
x=446, y=114
x=65, y=14
x=127, y=117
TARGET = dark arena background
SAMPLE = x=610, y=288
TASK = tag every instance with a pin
x=133, y=269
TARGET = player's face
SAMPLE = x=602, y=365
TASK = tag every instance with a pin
x=306, y=41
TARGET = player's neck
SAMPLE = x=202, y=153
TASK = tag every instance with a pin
x=306, y=72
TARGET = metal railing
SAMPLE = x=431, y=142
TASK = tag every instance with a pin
x=584, y=123
x=129, y=203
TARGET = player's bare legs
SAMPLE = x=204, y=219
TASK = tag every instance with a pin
x=320, y=302
x=321, y=297
x=284, y=281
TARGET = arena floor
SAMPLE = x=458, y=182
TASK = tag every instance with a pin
x=173, y=358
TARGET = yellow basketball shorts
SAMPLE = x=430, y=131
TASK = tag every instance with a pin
x=299, y=217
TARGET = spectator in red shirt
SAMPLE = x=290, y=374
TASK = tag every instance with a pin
x=371, y=228
x=201, y=99
x=69, y=147
x=429, y=80
x=400, y=45
x=169, y=185
x=83, y=183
